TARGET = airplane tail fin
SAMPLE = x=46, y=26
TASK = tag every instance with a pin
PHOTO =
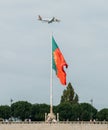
x=39, y=17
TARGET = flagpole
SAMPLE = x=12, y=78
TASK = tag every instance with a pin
x=51, y=85
x=51, y=117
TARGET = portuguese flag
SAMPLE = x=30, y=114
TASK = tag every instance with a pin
x=58, y=62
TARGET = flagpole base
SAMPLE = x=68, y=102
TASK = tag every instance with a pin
x=51, y=118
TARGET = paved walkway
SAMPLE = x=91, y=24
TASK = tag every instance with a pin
x=58, y=126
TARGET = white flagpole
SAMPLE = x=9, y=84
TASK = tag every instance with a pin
x=51, y=86
x=51, y=116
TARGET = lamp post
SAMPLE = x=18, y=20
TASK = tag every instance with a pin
x=91, y=102
x=11, y=100
x=91, y=108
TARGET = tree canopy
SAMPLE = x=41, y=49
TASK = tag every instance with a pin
x=68, y=109
x=21, y=109
x=103, y=114
x=69, y=95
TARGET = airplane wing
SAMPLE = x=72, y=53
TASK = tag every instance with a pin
x=52, y=20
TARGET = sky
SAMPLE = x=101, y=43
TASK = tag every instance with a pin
x=25, y=50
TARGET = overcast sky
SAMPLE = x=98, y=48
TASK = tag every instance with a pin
x=25, y=49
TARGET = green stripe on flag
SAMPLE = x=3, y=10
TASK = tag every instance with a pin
x=54, y=47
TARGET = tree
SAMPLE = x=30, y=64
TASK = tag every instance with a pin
x=5, y=112
x=65, y=111
x=21, y=109
x=103, y=114
x=38, y=112
x=87, y=112
x=69, y=95
x=76, y=112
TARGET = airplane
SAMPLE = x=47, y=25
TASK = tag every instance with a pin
x=48, y=21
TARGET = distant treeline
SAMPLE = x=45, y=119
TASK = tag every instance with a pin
x=36, y=112
x=69, y=109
